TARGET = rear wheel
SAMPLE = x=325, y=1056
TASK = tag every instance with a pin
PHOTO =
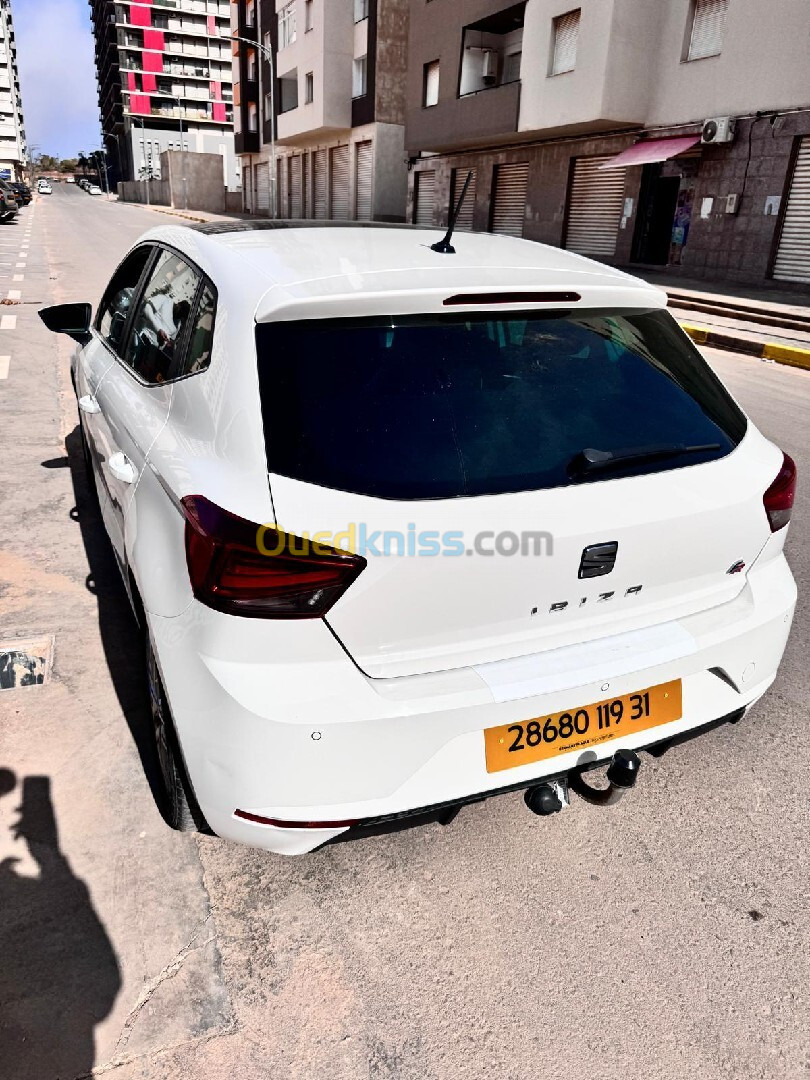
x=179, y=808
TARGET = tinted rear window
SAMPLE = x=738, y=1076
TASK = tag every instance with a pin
x=441, y=406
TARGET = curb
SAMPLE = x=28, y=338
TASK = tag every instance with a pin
x=791, y=355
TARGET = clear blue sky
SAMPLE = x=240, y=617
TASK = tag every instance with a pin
x=56, y=57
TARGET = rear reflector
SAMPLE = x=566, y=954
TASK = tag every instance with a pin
x=489, y=299
x=246, y=569
x=279, y=823
x=778, y=499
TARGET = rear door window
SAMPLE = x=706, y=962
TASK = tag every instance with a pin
x=444, y=406
x=157, y=342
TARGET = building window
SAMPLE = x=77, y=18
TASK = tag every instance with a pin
x=288, y=91
x=253, y=116
x=486, y=48
x=250, y=13
x=430, y=85
x=359, y=77
x=708, y=23
x=286, y=25
x=307, y=15
x=511, y=67
x=251, y=65
x=360, y=10
x=309, y=88
x=268, y=106
x=566, y=39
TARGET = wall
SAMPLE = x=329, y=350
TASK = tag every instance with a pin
x=195, y=180
x=154, y=193
x=393, y=18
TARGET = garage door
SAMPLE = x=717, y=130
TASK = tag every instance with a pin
x=425, y=196
x=321, y=189
x=263, y=189
x=339, y=183
x=296, y=188
x=365, y=161
x=464, y=223
x=283, y=188
x=595, y=205
x=509, y=199
x=793, y=257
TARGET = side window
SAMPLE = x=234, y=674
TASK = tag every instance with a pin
x=116, y=306
x=201, y=340
x=156, y=347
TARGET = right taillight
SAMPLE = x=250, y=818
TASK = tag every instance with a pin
x=242, y=568
x=778, y=499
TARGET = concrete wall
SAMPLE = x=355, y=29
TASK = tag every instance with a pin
x=393, y=20
x=152, y=193
x=195, y=180
x=200, y=140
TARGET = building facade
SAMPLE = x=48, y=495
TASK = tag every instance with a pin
x=13, y=146
x=336, y=107
x=672, y=135
x=164, y=83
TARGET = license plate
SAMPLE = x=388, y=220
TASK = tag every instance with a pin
x=576, y=729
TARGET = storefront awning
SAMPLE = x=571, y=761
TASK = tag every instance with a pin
x=650, y=150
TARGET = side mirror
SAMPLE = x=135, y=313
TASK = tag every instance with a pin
x=71, y=319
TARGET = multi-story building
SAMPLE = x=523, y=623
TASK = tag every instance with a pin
x=336, y=107
x=656, y=133
x=164, y=82
x=13, y=147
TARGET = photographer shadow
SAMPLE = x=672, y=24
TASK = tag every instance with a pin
x=59, y=976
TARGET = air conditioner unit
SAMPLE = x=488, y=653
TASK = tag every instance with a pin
x=718, y=129
x=489, y=67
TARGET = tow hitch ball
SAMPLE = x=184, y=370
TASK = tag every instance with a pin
x=621, y=776
x=552, y=796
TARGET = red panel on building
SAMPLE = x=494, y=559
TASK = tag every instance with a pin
x=140, y=16
x=152, y=61
x=131, y=83
x=216, y=91
x=149, y=83
x=212, y=25
x=219, y=112
x=154, y=39
x=139, y=103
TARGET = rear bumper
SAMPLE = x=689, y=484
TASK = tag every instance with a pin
x=275, y=720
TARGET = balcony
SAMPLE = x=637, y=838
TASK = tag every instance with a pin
x=464, y=121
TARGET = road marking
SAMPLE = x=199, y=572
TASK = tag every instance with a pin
x=4, y=362
x=8, y=322
x=14, y=294
x=19, y=277
x=22, y=265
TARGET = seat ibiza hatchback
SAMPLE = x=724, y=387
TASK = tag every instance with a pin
x=407, y=528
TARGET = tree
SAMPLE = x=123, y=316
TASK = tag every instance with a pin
x=68, y=165
x=82, y=162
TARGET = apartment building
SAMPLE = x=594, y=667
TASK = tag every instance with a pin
x=336, y=107
x=672, y=134
x=13, y=147
x=164, y=83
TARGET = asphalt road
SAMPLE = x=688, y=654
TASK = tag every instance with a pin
x=665, y=937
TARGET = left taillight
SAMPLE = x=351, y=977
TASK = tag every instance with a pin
x=778, y=499
x=231, y=571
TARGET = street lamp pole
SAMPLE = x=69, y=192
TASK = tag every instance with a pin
x=268, y=55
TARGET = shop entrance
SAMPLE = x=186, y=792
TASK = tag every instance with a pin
x=665, y=213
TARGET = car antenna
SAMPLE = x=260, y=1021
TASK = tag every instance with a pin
x=443, y=246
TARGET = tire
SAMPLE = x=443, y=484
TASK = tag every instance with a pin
x=179, y=810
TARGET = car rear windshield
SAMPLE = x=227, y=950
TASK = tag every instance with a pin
x=443, y=406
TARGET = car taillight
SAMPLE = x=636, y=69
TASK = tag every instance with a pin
x=231, y=570
x=779, y=497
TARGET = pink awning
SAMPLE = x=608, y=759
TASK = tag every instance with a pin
x=650, y=150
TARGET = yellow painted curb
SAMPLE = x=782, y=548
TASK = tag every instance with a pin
x=696, y=333
x=788, y=354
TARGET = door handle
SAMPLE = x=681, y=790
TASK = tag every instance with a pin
x=122, y=468
x=88, y=404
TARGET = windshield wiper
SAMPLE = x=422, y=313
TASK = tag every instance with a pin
x=590, y=460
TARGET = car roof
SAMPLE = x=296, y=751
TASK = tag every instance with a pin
x=354, y=268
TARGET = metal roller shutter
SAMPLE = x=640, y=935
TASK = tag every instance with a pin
x=339, y=183
x=306, y=207
x=321, y=189
x=595, y=205
x=793, y=256
x=263, y=189
x=364, y=166
x=465, y=217
x=425, y=195
x=509, y=199
x=296, y=188
x=283, y=185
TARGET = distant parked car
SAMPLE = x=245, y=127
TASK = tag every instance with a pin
x=23, y=193
x=70, y=180
x=84, y=184
x=8, y=202
x=44, y=188
x=94, y=189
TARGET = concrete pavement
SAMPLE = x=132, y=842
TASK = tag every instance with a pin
x=664, y=937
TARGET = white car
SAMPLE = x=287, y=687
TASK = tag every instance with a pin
x=406, y=529
x=70, y=180
x=44, y=188
x=94, y=189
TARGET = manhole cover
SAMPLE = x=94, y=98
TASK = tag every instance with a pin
x=25, y=663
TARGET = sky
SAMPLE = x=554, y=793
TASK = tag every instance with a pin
x=56, y=58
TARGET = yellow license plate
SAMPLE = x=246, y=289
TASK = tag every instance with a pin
x=549, y=736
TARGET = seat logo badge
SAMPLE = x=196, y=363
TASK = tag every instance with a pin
x=736, y=567
x=598, y=559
